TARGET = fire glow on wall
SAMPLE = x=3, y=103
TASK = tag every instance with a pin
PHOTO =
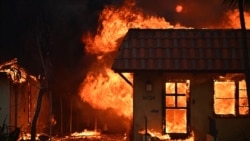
x=103, y=82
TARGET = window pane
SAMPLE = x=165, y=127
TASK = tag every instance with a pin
x=170, y=88
x=176, y=121
x=224, y=106
x=224, y=89
x=242, y=94
x=181, y=101
x=170, y=101
x=224, y=97
x=242, y=85
x=243, y=110
x=181, y=88
x=243, y=106
x=243, y=102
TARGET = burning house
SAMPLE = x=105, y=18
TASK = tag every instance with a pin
x=187, y=83
x=178, y=74
x=18, y=97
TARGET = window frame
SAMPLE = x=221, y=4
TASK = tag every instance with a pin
x=236, y=101
x=176, y=96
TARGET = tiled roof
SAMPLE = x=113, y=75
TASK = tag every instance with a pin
x=181, y=50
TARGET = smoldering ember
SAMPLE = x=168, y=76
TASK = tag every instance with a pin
x=124, y=70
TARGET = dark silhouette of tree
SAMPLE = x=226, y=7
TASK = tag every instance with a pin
x=243, y=5
x=42, y=31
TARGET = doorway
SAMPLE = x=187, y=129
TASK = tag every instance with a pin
x=176, y=109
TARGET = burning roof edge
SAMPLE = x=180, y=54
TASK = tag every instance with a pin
x=16, y=73
x=181, y=50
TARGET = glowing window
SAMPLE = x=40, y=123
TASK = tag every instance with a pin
x=243, y=101
x=176, y=94
x=230, y=98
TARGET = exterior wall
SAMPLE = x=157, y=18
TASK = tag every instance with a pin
x=233, y=129
x=147, y=106
x=4, y=99
x=18, y=103
x=201, y=108
x=227, y=128
x=26, y=95
x=201, y=100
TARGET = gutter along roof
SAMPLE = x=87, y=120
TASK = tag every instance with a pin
x=181, y=50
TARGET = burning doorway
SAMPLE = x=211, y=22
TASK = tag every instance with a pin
x=176, y=109
x=181, y=68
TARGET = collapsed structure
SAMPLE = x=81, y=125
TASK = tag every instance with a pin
x=18, y=98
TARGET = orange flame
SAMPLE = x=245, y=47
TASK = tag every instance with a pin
x=115, y=24
x=243, y=102
x=103, y=88
x=225, y=98
x=176, y=118
x=224, y=90
x=107, y=90
x=165, y=137
x=86, y=133
x=232, y=19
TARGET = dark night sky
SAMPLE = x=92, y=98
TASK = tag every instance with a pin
x=196, y=13
x=67, y=21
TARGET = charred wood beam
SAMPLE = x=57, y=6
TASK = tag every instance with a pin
x=125, y=79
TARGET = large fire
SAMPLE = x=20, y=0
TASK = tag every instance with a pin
x=104, y=89
x=232, y=18
x=115, y=24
